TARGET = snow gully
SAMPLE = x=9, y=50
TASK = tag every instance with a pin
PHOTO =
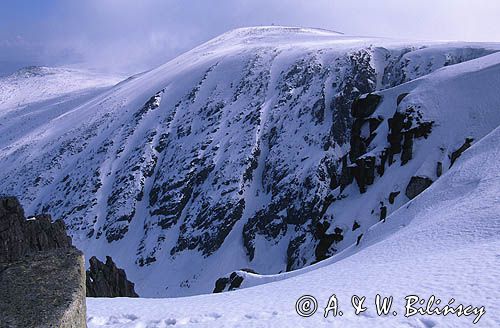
x=416, y=305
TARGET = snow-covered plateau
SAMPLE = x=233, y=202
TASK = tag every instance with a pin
x=298, y=161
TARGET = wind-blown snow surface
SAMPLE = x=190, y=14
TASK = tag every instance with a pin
x=443, y=243
x=233, y=154
x=34, y=96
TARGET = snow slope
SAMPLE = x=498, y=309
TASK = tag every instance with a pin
x=233, y=155
x=444, y=242
x=33, y=96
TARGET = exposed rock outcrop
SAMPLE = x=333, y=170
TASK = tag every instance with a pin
x=365, y=106
x=12, y=242
x=364, y=172
x=392, y=196
x=401, y=97
x=355, y=225
x=232, y=282
x=19, y=237
x=404, y=127
x=44, y=289
x=43, y=234
x=107, y=280
x=326, y=240
x=457, y=153
x=42, y=276
x=383, y=212
x=439, y=169
x=416, y=186
x=358, y=240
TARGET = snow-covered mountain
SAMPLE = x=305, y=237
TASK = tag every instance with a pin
x=33, y=96
x=244, y=152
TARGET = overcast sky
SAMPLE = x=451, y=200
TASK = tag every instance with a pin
x=133, y=35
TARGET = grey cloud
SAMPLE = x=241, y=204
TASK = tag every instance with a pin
x=130, y=36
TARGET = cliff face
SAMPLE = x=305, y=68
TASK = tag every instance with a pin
x=106, y=280
x=19, y=237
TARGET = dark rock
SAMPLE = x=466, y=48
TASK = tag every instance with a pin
x=357, y=143
x=395, y=136
x=383, y=212
x=42, y=279
x=228, y=284
x=360, y=82
x=423, y=129
x=404, y=127
x=236, y=281
x=265, y=221
x=44, y=289
x=457, y=153
x=358, y=240
x=364, y=172
x=416, y=186
x=401, y=97
x=365, y=106
x=42, y=234
x=221, y=284
x=346, y=174
x=355, y=225
x=383, y=160
x=106, y=280
x=293, y=258
x=326, y=240
x=211, y=239
x=392, y=196
x=439, y=169
x=407, y=153
x=19, y=237
x=13, y=245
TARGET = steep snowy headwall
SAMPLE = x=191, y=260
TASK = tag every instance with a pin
x=424, y=127
x=237, y=154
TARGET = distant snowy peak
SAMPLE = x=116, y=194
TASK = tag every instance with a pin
x=32, y=71
x=33, y=96
x=76, y=73
x=39, y=83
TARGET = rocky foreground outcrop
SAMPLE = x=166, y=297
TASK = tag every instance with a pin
x=19, y=237
x=42, y=276
x=44, y=289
